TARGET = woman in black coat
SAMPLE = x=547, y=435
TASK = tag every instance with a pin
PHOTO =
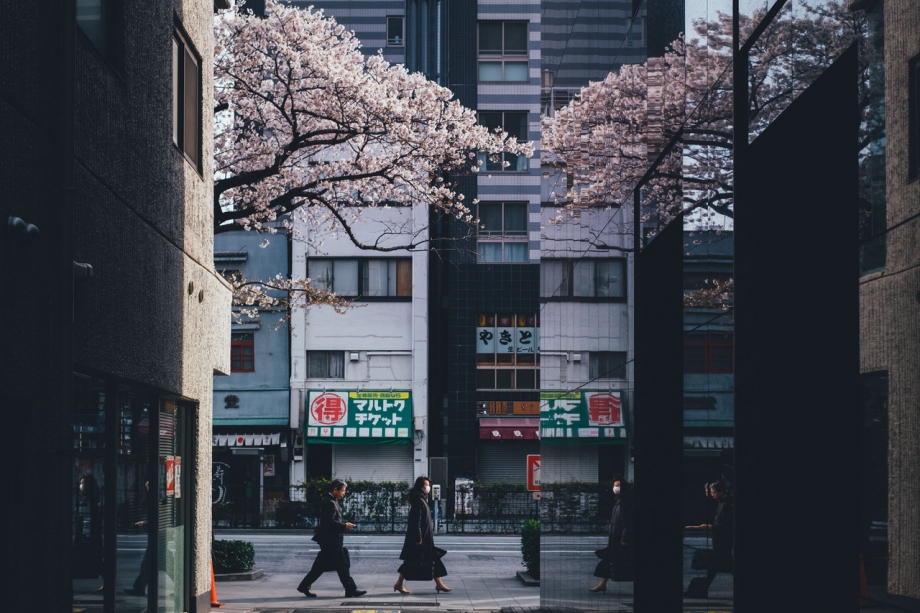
x=421, y=559
x=616, y=561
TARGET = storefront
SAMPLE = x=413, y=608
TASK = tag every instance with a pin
x=248, y=473
x=504, y=444
x=131, y=471
x=578, y=431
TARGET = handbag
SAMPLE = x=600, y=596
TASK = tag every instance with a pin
x=603, y=554
x=417, y=569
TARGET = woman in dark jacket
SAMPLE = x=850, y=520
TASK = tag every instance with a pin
x=421, y=559
x=616, y=561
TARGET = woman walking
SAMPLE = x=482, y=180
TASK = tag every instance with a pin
x=616, y=558
x=421, y=559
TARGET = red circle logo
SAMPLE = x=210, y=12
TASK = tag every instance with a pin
x=328, y=409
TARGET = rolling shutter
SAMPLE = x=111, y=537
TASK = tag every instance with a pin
x=373, y=463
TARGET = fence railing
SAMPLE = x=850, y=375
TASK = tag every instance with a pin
x=492, y=508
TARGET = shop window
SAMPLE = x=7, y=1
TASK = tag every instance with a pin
x=607, y=365
x=326, y=364
x=507, y=352
x=186, y=69
x=502, y=51
x=242, y=353
x=395, y=36
x=583, y=278
x=364, y=278
x=515, y=124
x=708, y=354
x=502, y=232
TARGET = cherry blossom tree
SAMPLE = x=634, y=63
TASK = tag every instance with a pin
x=310, y=132
x=606, y=139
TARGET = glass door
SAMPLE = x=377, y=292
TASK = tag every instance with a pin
x=172, y=555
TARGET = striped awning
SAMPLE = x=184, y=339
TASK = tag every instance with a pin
x=245, y=440
x=509, y=428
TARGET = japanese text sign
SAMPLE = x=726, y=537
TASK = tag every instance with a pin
x=593, y=416
x=358, y=416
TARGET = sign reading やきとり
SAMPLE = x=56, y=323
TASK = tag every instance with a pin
x=359, y=416
x=587, y=416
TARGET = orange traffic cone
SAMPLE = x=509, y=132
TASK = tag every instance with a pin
x=863, y=584
x=214, y=601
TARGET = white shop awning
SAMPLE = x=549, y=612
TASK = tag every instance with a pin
x=245, y=440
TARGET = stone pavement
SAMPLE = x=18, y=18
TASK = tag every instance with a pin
x=277, y=593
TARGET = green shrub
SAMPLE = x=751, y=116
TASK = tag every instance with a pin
x=232, y=556
x=530, y=546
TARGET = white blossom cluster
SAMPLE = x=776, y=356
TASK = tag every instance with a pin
x=317, y=125
x=608, y=138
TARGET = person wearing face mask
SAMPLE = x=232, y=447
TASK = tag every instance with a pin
x=616, y=558
x=421, y=559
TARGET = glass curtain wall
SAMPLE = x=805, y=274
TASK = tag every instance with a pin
x=659, y=137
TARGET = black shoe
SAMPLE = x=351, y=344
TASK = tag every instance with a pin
x=306, y=592
x=135, y=592
x=355, y=593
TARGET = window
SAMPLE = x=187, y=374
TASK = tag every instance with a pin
x=365, y=278
x=395, y=32
x=242, y=353
x=708, y=354
x=913, y=120
x=325, y=364
x=507, y=352
x=503, y=51
x=607, y=365
x=584, y=278
x=102, y=22
x=515, y=124
x=503, y=232
x=186, y=100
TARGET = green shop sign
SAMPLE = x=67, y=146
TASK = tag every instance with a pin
x=359, y=417
x=582, y=417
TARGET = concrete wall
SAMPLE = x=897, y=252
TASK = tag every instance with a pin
x=888, y=309
x=88, y=157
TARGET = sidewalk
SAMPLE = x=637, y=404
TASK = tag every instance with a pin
x=276, y=593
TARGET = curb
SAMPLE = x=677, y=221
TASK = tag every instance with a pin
x=246, y=575
x=526, y=579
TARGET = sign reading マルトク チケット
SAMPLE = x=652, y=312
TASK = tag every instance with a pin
x=359, y=417
x=586, y=417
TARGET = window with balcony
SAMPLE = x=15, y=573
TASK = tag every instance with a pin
x=502, y=232
x=502, y=51
x=395, y=32
x=515, y=124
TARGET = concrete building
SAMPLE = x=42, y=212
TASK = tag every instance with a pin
x=120, y=317
x=253, y=442
x=890, y=530
x=359, y=393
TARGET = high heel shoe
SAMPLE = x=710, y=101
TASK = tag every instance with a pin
x=443, y=588
x=401, y=589
x=598, y=589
